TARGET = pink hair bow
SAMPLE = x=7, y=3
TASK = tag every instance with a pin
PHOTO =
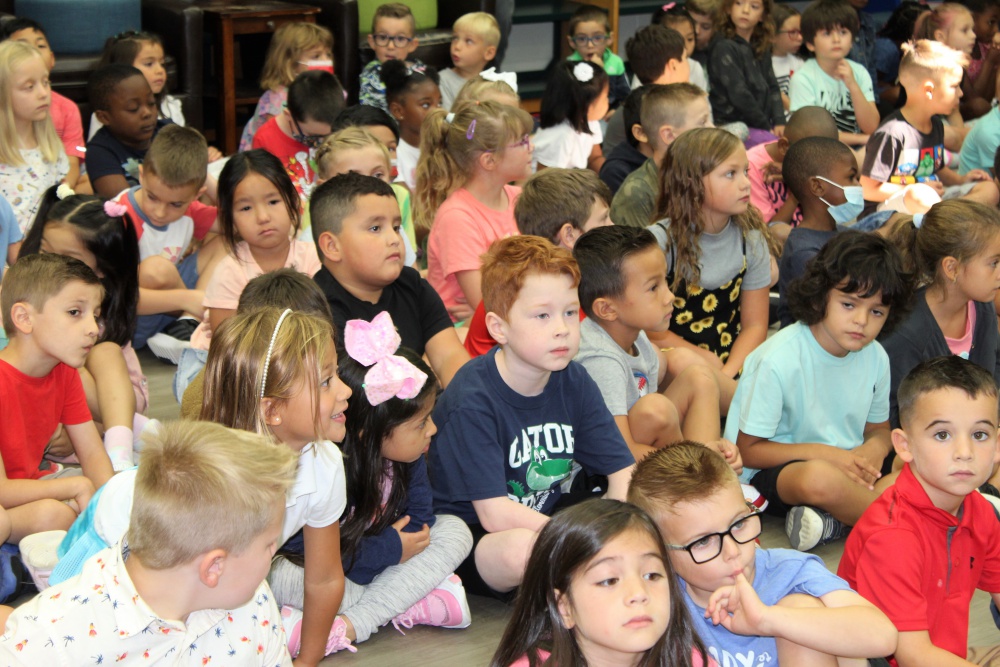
x=114, y=209
x=670, y=5
x=372, y=344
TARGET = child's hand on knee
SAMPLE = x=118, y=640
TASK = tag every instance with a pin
x=79, y=490
x=413, y=543
x=855, y=466
x=730, y=452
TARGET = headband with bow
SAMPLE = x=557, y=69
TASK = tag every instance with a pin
x=491, y=74
x=372, y=344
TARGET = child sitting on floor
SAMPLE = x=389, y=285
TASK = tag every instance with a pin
x=589, y=35
x=391, y=38
x=474, y=42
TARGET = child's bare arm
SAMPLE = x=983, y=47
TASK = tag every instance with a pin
x=90, y=451
x=324, y=590
x=12, y=252
x=762, y=453
x=618, y=483
x=153, y=302
x=216, y=316
x=865, y=111
x=470, y=282
x=501, y=513
x=914, y=649
x=844, y=624
x=17, y=492
x=108, y=186
x=754, y=308
x=74, y=171
x=446, y=354
x=877, y=443
x=112, y=402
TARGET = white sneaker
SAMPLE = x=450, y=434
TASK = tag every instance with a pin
x=167, y=348
x=39, y=553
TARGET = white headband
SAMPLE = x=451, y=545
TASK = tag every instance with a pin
x=270, y=349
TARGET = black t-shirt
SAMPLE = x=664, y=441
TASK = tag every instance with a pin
x=415, y=308
x=106, y=156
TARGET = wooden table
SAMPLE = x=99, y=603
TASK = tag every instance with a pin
x=228, y=20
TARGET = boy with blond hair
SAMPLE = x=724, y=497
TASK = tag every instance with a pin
x=392, y=38
x=667, y=111
x=751, y=605
x=186, y=582
x=904, y=168
x=168, y=220
x=50, y=306
x=363, y=272
x=556, y=204
x=921, y=550
x=517, y=424
x=473, y=45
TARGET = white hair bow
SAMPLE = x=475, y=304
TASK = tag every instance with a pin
x=491, y=74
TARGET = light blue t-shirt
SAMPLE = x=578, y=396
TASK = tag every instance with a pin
x=981, y=143
x=778, y=574
x=792, y=390
x=811, y=86
x=10, y=231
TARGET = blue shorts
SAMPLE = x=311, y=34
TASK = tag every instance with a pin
x=150, y=325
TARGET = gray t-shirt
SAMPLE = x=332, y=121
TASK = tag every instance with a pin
x=722, y=256
x=623, y=378
x=450, y=83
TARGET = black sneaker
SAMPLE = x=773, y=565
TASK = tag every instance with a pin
x=182, y=329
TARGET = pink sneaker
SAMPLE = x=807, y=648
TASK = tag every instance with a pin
x=291, y=620
x=443, y=607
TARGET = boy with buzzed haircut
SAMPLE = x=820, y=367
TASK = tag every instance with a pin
x=624, y=292
x=178, y=244
x=921, y=550
x=767, y=188
x=315, y=99
x=50, y=307
x=186, y=583
x=818, y=173
x=829, y=80
x=515, y=422
x=750, y=605
x=904, y=168
x=473, y=45
x=556, y=204
x=589, y=34
x=124, y=103
x=392, y=38
x=363, y=272
x=667, y=112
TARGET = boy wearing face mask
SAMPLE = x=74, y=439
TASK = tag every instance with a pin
x=821, y=174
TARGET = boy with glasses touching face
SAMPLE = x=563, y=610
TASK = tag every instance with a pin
x=756, y=606
x=392, y=38
x=590, y=38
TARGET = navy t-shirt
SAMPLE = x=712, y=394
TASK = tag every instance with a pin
x=107, y=156
x=494, y=442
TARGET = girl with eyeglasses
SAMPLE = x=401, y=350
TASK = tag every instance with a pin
x=785, y=52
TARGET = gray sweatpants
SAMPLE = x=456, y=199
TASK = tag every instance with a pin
x=398, y=588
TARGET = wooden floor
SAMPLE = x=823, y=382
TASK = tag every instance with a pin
x=474, y=646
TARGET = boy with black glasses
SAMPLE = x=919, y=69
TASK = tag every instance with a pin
x=757, y=606
x=590, y=38
x=392, y=38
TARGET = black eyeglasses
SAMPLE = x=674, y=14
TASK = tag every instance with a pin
x=584, y=40
x=708, y=547
x=382, y=39
x=310, y=140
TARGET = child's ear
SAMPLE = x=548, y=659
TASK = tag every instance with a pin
x=487, y=161
x=812, y=49
x=927, y=89
x=102, y=116
x=497, y=328
x=329, y=246
x=211, y=566
x=604, y=309
x=639, y=134
x=667, y=135
x=783, y=145
x=939, y=36
x=491, y=52
x=371, y=42
x=396, y=110
x=567, y=235
x=21, y=314
x=270, y=408
x=201, y=192
x=565, y=609
x=817, y=187
x=949, y=268
x=902, y=445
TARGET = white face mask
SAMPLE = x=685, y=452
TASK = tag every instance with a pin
x=850, y=209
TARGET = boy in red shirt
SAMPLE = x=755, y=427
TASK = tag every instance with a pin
x=920, y=550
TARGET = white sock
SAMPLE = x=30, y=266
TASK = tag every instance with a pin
x=118, y=443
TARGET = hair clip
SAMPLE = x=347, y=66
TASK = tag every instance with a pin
x=270, y=349
x=583, y=72
x=372, y=344
x=670, y=5
x=114, y=209
x=918, y=219
x=471, y=131
x=64, y=191
x=419, y=69
x=491, y=74
x=449, y=118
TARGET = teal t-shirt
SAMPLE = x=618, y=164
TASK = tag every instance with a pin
x=792, y=390
x=981, y=143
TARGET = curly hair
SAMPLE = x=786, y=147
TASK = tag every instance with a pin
x=763, y=33
x=692, y=157
x=855, y=263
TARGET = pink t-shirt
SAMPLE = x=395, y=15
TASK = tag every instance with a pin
x=232, y=274
x=963, y=346
x=463, y=230
x=69, y=126
x=767, y=197
x=696, y=660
